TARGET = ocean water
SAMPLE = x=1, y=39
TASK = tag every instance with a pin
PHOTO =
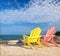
x=11, y=37
x=19, y=37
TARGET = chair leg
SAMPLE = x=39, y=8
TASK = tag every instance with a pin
x=45, y=42
x=25, y=42
x=52, y=41
x=39, y=43
x=25, y=39
x=29, y=44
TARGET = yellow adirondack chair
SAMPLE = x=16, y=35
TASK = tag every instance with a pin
x=33, y=38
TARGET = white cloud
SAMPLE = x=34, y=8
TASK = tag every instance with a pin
x=35, y=13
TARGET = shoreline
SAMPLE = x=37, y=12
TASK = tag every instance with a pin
x=56, y=38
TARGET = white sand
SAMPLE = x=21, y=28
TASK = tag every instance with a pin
x=6, y=50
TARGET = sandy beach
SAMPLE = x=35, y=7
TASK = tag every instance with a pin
x=22, y=50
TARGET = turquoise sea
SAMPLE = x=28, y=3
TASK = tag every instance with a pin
x=19, y=37
x=11, y=37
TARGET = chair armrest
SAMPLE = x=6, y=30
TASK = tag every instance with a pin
x=25, y=36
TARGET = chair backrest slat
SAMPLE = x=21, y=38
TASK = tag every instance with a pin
x=35, y=33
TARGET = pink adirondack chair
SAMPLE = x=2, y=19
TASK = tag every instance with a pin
x=49, y=37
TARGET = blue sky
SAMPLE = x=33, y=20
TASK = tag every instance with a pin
x=21, y=16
